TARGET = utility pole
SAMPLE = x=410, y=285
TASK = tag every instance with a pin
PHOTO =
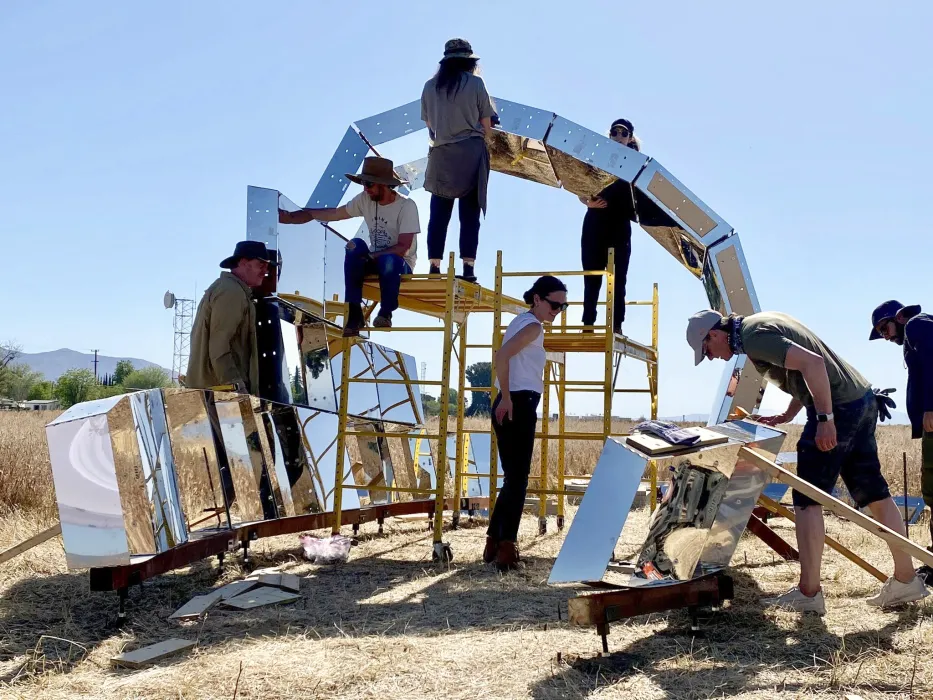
x=95, y=364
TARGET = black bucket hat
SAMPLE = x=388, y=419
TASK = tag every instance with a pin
x=251, y=250
x=888, y=311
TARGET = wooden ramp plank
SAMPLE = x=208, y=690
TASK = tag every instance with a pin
x=836, y=506
x=259, y=597
x=152, y=653
x=33, y=541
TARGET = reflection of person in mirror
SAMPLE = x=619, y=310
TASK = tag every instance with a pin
x=223, y=335
x=837, y=440
x=392, y=250
x=459, y=113
x=270, y=344
x=908, y=327
x=519, y=365
x=608, y=224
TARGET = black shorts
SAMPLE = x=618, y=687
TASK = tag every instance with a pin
x=855, y=457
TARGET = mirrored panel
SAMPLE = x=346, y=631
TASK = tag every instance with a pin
x=89, y=508
x=246, y=504
x=480, y=444
x=370, y=463
x=363, y=400
x=596, y=527
x=197, y=469
x=158, y=468
x=291, y=460
x=399, y=399
x=302, y=251
x=262, y=216
x=335, y=249
x=319, y=432
x=568, y=142
x=421, y=450
x=316, y=366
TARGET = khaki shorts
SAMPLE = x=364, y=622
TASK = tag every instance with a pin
x=926, y=471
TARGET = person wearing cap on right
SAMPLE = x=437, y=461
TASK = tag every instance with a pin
x=608, y=224
x=837, y=440
x=459, y=113
x=908, y=327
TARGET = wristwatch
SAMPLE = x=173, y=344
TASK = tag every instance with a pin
x=824, y=417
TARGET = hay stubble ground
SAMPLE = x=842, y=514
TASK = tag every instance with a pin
x=389, y=623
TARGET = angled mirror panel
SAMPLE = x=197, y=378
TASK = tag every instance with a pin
x=480, y=444
x=262, y=216
x=158, y=468
x=728, y=267
x=601, y=516
x=586, y=146
x=197, y=469
x=138, y=510
x=371, y=463
x=522, y=120
x=292, y=460
x=703, y=225
x=274, y=460
x=399, y=399
x=263, y=472
x=413, y=174
x=302, y=249
x=663, y=228
x=390, y=125
x=741, y=385
x=87, y=409
x=89, y=507
x=335, y=249
x=246, y=505
x=333, y=183
x=423, y=457
x=363, y=400
x=316, y=366
x=319, y=432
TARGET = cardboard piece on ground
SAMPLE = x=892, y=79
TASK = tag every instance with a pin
x=254, y=576
x=259, y=597
x=236, y=588
x=651, y=445
x=291, y=582
x=153, y=652
x=838, y=507
x=196, y=607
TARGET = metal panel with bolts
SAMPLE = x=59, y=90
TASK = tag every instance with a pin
x=393, y=124
x=333, y=183
x=594, y=149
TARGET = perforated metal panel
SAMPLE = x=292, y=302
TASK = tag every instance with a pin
x=346, y=159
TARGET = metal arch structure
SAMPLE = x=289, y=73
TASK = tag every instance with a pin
x=541, y=146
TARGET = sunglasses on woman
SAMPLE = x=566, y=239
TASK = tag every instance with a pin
x=557, y=305
x=620, y=131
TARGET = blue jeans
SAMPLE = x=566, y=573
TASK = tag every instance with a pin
x=359, y=262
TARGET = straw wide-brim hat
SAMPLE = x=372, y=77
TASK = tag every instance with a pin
x=378, y=170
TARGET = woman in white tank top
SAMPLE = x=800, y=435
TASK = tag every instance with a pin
x=520, y=380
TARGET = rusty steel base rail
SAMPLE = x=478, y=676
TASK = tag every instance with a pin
x=604, y=607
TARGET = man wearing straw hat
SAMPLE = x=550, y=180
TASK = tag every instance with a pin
x=392, y=249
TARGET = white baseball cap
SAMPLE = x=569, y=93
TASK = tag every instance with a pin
x=698, y=327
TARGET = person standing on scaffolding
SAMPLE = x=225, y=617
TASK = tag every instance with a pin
x=608, y=224
x=459, y=114
x=520, y=364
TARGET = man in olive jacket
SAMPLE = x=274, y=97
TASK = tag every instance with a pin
x=223, y=337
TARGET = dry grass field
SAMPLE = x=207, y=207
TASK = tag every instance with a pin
x=390, y=624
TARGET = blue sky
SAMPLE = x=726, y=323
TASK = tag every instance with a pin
x=130, y=133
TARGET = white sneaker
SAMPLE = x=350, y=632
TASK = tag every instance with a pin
x=893, y=592
x=794, y=599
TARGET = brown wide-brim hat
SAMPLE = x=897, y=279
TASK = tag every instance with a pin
x=378, y=170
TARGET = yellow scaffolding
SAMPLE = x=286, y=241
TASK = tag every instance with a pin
x=453, y=300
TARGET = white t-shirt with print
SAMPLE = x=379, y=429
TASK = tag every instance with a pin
x=526, y=367
x=387, y=221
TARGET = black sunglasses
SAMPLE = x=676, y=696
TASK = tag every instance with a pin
x=368, y=183
x=620, y=131
x=557, y=305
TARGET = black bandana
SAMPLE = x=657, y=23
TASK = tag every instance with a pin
x=735, y=335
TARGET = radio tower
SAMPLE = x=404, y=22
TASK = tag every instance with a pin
x=424, y=374
x=184, y=317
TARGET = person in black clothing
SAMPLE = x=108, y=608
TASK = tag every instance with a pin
x=608, y=224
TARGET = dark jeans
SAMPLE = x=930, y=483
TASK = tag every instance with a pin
x=358, y=263
x=854, y=458
x=516, y=441
x=595, y=244
x=441, y=209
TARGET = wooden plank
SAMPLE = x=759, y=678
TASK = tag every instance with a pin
x=152, y=653
x=33, y=541
x=291, y=582
x=764, y=533
x=236, y=588
x=778, y=509
x=838, y=507
x=196, y=607
x=259, y=597
x=651, y=445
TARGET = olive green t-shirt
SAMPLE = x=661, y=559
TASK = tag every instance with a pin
x=766, y=337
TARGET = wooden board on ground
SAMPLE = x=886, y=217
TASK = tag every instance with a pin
x=196, y=607
x=291, y=582
x=259, y=597
x=651, y=445
x=152, y=653
x=33, y=541
x=836, y=506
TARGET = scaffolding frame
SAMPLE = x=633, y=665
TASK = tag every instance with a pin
x=452, y=301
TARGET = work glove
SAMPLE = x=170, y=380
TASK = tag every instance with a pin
x=884, y=403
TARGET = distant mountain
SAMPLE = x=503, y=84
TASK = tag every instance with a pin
x=55, y=363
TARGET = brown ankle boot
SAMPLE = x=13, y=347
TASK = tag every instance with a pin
x=492, y=548
x=507, y=558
